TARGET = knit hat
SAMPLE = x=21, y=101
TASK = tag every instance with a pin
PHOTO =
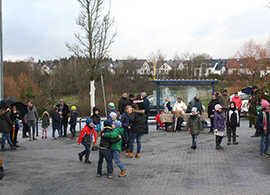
x=113, y=114
x=264, y=103
x=107, y=123
x=73, y=108
x=89, y=121
x=194, y=109
x=217, y=107
x=117, y=124
x=111, y=106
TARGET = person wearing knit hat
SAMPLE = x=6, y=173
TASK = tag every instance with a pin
x=194, y=126
x=105, y=150
x=111, y=108
x=86, y=139
x=219, y=125
x=116, y=148
x=73, y=120
x=232, y=121
x=263, y=125
x=264, y=103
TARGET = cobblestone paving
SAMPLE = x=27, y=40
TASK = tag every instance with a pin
x=167, y=166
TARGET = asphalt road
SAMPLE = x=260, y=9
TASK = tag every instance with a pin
x=167, y=166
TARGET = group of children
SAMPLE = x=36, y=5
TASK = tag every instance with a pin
x=119, y=132
x=57, y=122
x=223, y=119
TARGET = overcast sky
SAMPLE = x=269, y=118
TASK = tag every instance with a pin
x=40, y=28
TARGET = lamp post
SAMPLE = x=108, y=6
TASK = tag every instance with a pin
x=1, y=55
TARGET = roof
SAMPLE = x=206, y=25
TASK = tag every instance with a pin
x=186, y=82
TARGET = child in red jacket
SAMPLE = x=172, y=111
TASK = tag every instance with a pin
x=86, y=139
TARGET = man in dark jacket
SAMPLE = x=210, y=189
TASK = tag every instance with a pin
x=123, y=102
x=104, y=150
x=63, y=111
x=211, y=111
x=146, y=108
x=196, y=102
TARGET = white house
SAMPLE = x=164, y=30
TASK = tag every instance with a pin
x=218, y=68
x=145, y=69
x=164, y=68
x=46, y=69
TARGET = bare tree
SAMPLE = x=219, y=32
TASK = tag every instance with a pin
x=97, y=35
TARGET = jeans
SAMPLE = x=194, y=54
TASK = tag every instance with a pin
x=264, y=144
x=59, y=132
x=86, y=151
x=116, y=158
x=6, y=136
x=107, y=155
x=218, y=140
x=138, y=137
x=194, y=140
x=32, y=124
x=126, y=139
x=73, y=130
x=146, y=124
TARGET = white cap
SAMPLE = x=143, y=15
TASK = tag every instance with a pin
x=113, y=114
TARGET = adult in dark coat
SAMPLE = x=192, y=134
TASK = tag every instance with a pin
x=254, y=102
x=138, y=127
x=195, y=102
x=146, y=108
x=211, y=111
x=15, y=116
x=131, y=98
x=63, y=111
x=123, y=102
x=56, y=123
x=5, y=127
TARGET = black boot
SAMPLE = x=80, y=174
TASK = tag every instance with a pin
x=1, y=173
x=87, y=161
x=80, y=157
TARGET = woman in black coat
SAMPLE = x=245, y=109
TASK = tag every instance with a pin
x=137, y=129
x=5, y=127
x=211, y=111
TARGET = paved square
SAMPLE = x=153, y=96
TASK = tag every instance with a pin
x=167, y=166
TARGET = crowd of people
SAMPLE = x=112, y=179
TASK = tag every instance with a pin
x=130, y=122
x=223, y=114
x=120, y=130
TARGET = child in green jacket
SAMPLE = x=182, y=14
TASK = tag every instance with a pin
x=194, y=126
x=116, y=148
